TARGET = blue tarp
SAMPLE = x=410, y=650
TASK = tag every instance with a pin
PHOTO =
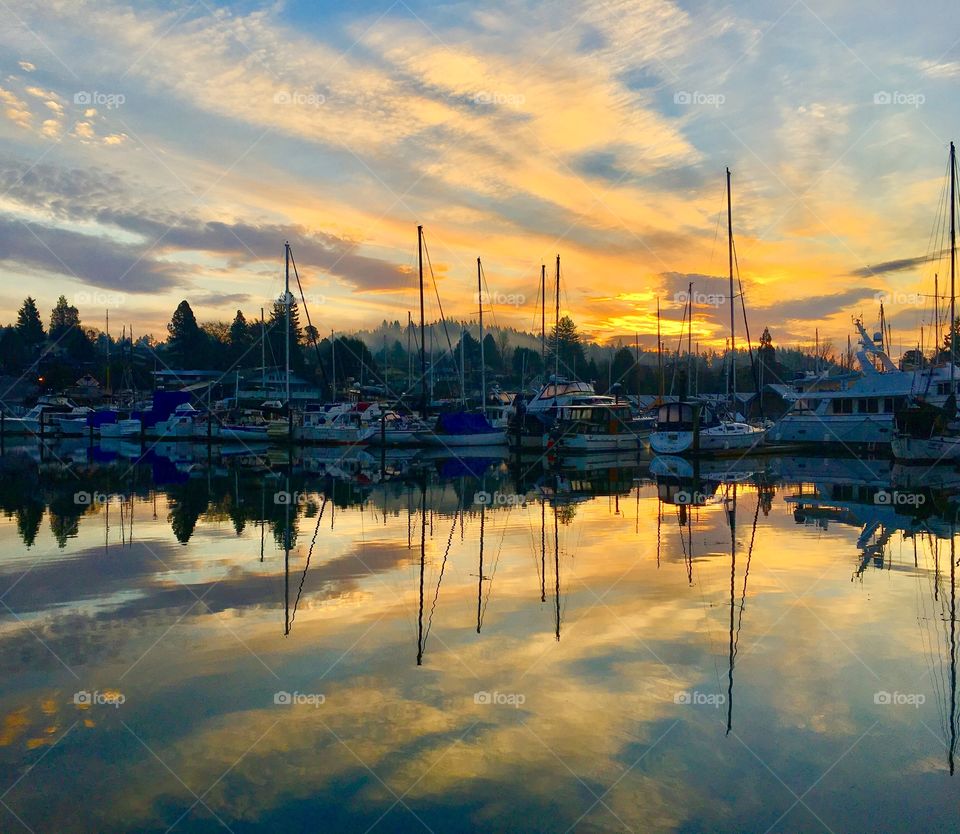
x=164, y=404
x=101, y=418
x=461, y=422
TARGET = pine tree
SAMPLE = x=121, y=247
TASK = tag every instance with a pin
x=63, y=318
x=565, y=338
x=29, y=324
x=186, y=343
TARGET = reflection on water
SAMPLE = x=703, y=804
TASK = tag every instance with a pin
x=267, y=639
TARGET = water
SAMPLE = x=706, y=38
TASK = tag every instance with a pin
x=619, y=660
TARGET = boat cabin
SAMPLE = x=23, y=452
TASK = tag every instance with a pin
x=595, y=419
x=683, y=416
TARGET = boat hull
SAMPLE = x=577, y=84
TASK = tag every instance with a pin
x=932, y=449
x=713, y=441
x=583, y=443
x=846, y=429
x=333, y=436
x=122, y=428
x=490, y=438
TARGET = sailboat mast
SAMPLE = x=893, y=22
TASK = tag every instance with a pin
x=543, y=318
x=556, y=353
x=733, y=337
x=483, y=364
x=659, y=354
x=409, y=354
x=423, y=356
x=286, y=298
x=953, y=261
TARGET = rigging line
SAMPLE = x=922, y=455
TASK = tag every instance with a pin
x=443, y=319
x=716, y=234
x=313, y=330
x=496, y=562
x=746, y=575
x=443, y=566
x=306, y=566
x=676, y=362
x=746, y=327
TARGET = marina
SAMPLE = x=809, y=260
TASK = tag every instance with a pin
x=478, y=417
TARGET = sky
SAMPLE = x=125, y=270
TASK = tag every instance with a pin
x=155, y=152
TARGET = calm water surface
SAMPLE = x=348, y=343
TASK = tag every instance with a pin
x=235, y=643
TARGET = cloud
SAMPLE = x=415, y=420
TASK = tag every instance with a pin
x=95, y=261
x=896, y=265
x=107, y=200
x=26, y=66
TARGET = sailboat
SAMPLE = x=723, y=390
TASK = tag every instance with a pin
x=458, y=428
x=535, y=420
x=924, y=431
x=693, y=428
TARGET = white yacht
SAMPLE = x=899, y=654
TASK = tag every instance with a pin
x=692, y=428
x=857, y=410
x=531, y=421
x=594, y=428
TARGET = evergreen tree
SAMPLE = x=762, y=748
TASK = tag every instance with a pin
x=278, y=329
x=63, y=318
x=526, y=363
x=491, y=353
x=29, y=324
x=565, y=339
x=623, y=370
x=187, y=341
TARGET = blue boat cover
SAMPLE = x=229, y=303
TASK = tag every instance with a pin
x=164, y=404
x=462, y=422
x=101, y=418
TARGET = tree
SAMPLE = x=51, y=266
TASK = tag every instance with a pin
x=565, y=339
x=491, y=353
x=186, y=343
x=240, y=337
x=14, y=354
x=63, y=318
x=624, y=369
x=766, y=350
x=29, y=324
x=278, y=328
x=526, y=363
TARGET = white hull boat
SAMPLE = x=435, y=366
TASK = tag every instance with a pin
x=122, y=428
